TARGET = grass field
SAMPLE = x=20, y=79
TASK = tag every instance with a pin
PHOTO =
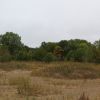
x=49, y=81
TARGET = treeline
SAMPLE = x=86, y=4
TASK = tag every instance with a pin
x=11, y=48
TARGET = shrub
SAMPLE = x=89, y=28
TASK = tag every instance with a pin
x=49, y=57
x=24, y=55
x=5, y=58
x=39, y=54
x=4, y=54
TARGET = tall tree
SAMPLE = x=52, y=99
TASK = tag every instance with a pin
x=12, y=40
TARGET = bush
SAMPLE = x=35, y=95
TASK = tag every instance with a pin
x=49, y=57
x=5, y=58
x=24, y=55
x=4, y=54
x=39, y=54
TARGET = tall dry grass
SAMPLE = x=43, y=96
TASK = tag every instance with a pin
x=71, y=70
x=84, y=97
x=49, y=81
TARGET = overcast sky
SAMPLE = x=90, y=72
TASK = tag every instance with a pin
x=50, y=20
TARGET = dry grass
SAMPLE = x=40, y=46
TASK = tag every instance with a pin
x=83, y=97
x=70, y=70
x=28, y=86
x=49, y=81
x=22, y=85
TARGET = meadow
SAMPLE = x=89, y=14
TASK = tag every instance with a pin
x=49, y=81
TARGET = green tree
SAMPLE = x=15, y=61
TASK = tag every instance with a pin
x=64, y=45
x=23, y=54
x=83, y=52
x=39, y=54
x=49, y=46
x=97, y=44
x=97, y=51
x=49, y=57
x=12, y=40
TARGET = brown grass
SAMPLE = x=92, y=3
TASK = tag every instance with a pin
x=49, y=81
x=84, y=97
x=70, y=70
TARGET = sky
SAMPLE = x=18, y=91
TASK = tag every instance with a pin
x=50, y=20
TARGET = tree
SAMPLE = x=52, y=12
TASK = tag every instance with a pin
x=83, y=52
x=39, y=54
x=49, y=57
x=49, y=46
x=97, y=44
x=58, y=52
x=97, y=51
x=12, y=40
x=64, y=45
x=24, y=54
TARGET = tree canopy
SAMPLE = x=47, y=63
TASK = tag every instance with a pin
x=12, y=48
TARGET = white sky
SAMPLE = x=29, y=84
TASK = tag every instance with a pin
x=50, y=20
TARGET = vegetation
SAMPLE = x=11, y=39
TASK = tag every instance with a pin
x=83, y=97
x=53, y=71
x=11, y=48
x=68, y=70
x=49, y=81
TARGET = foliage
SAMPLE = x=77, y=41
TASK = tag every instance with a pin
x=49, y=57
x=39, y=54
x=49, y=47
x=23, y=54
x=73, y=50
x=4, y=54
x=58, y=52
x=12, y=40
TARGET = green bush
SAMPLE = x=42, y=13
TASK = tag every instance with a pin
x=5, y=58
x=4, y=54
x=39, y=54
x=24, y=55
x=49, y=57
